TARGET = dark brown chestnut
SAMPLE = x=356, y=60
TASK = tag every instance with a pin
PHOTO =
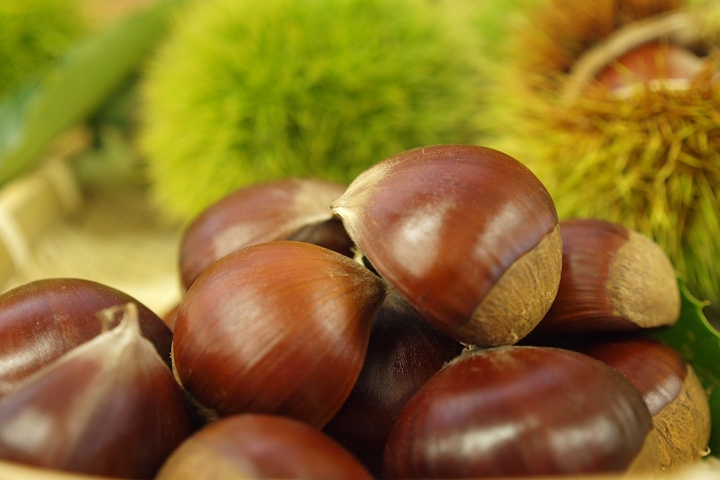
x=43, y=319
x=466, y=234
x=613, y=278
x=516, y=411
x=278, y=327
x=286, y=209
x=261, y=446
x=403, y=353
x=109, y=407
x=672, y=391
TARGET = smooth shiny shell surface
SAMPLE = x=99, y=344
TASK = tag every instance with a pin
x=522, y=411
x=297, y=208
x=672, y=391
x=444, y=224
x=110, y=407
x=260, y=446
x=403, y=354
x=280, y=327
x=42, y=320
x=613, y=279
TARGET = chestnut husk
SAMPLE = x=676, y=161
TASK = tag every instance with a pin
x=279, y=327
x=403, y=354
x=110, y=407
x=467, y=235
x=261, y=446
x=520, y=410
x=44, y=319
x=285, y=209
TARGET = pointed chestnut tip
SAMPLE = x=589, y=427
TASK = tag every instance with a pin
x=461, y=232
x=260, y=315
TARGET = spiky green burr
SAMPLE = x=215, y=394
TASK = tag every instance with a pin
x=245, y=91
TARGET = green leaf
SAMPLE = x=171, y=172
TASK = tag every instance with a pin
x=696, y=340
x=76, y=88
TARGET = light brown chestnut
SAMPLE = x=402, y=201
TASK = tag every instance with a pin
x=672, y=391
x=517, y=411
x=110, y=407
x=261, y=446
x=286, y=209
x=279, y=327
x=43, y=319
x=466, y=234
x=613, y=279
x=403, y=354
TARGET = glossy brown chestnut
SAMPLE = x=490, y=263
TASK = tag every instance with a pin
x=278, y=327
x=42, y=320
x=109, y=407
x=613, y=278
x=288, y=209
x=260, y=446
x=516, y=411
x=404, y=352
x=672, y=391
x=466, y=234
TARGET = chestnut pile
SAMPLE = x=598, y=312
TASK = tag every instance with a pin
x=433, y=319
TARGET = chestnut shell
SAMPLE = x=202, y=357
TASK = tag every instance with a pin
x=279, y=327
x=110, y=407
x=613, y=279
x=285, y=209
x=522, y=411
x=260, y=446
x=43, y=319
x=403, y=354
x=447, y=225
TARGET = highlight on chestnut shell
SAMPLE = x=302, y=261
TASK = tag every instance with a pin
x=403, y=354
x=517, y=410
x=260, y=446
x=467, y=235
x=286, y=209
x=44, y=319
x=279, y=327
x=613, y=279
x=110, y=407
x=670, y=387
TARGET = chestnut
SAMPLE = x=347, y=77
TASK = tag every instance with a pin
x=43, y=319
x=285, y=209
x=109, y=407
x=672, y=391
x=279, y=327
x=467, y=235
x=404, y=352
x=613, y=279
x=652, y=64
x=522, y=410
x=260, y=446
